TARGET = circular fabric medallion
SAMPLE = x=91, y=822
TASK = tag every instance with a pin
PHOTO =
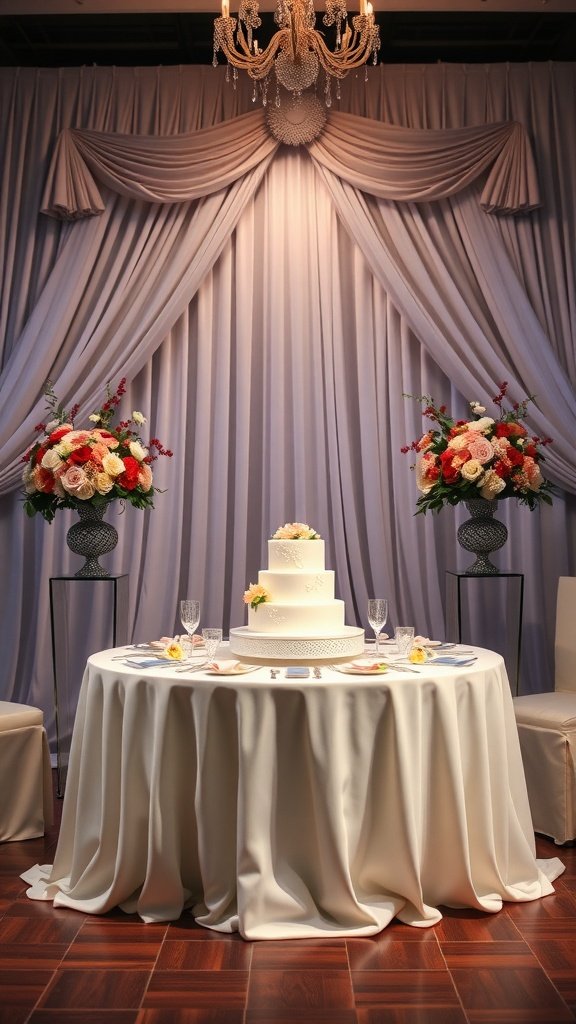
x=297, y=121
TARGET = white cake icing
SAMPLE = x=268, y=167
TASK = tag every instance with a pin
x=293, y=616
x=300, y=592
x=305, y=555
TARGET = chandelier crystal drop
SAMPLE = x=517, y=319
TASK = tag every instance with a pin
x=297, y=49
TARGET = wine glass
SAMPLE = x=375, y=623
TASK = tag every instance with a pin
x=212, y=639
x=190, y=617
x=377, y=615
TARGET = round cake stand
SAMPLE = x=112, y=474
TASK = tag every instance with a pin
x=269, y=648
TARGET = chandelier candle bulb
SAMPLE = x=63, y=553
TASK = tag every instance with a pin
x=225, y=9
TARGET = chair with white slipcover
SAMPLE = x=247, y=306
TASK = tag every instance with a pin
x=547, y=730
x=26, y=807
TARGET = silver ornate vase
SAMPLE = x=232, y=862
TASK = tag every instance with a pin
x=92, y=537
x=482, y=534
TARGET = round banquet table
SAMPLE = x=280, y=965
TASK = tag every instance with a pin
x=291, y=808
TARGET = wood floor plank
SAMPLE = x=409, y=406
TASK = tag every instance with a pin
x=180, y=955
x=306, y=954
x=96, y=989
x=522, y=990
x=300, y=989
x=209, y=990
x=395, y=955
x=386, y=989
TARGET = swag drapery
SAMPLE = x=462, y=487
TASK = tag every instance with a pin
x=135, y=268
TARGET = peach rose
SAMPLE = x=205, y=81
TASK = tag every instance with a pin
x=145, y=476
x=103, y=483
x=492, y=484
x=472, y=470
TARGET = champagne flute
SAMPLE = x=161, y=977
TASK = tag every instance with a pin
x=190, y=617
x=377, y=615
x=212, y=639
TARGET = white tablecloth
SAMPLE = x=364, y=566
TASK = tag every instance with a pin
x=289, y=808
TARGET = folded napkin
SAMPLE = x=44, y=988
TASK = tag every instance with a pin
x=454, y=659
x=196, y=640
x=150, y=662
x=425, y=641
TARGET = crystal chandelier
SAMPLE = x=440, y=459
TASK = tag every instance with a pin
x=297, y=49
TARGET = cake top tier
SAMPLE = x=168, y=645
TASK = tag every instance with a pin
x=286, y=556
x=295, y=531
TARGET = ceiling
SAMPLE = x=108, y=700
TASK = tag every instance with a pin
x=70, y=33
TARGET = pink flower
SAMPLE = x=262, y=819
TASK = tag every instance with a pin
x=480, y=448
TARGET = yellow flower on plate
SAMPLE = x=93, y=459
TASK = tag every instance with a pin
x=174, y=651
x=418, y=655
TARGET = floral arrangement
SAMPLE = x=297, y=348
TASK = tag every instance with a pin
x=255, y=595
x=295, y=531
x=67, y=467
x=479, y=458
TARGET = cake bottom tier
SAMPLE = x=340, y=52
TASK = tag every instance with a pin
x=263, y=648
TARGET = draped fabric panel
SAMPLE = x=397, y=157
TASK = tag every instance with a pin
x=406, y=164
x=278, y=382
x=423, y=273
x=124, y=280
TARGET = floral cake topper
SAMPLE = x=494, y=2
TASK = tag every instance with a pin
x=295, y=531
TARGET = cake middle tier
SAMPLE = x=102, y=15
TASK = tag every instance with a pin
x=300, y=618
x=295, y=587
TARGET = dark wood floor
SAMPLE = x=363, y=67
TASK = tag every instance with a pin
x=63, y=967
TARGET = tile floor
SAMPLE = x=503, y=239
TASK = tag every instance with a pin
x=63, y=967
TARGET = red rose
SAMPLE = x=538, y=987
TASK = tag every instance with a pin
x=502, y=469
x=514, y=456
x=81, y=454
x=58, y=434
x=129, y=478
x=44, y=480
x=40, y=455
x=449, y=473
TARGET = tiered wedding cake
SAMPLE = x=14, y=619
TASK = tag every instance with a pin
x=292, y=612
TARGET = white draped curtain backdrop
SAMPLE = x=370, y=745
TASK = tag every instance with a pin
x=270, y=307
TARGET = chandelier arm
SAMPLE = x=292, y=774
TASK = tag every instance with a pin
x=257, y=66
x=338, y=64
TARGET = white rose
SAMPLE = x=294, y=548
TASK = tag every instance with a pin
x=138, y=451
x=51, y=459
x=112, y=464
x=481, y=425
x=139, y=418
